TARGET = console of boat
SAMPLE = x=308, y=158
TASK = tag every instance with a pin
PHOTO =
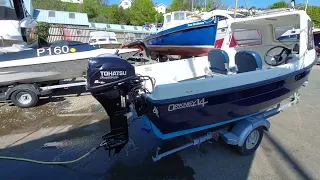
x=190, y=95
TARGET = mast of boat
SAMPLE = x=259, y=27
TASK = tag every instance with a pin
x=235, y=9
x=305, y=9
x=191, y=5
x=205, y=5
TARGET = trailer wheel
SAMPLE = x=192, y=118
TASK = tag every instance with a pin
x=24, y=98
x=252, y=142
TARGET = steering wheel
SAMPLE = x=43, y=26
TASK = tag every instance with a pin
x=276, y=59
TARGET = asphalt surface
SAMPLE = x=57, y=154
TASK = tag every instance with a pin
x=66, y=127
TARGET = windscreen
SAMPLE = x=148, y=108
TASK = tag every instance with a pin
x=6, y=3
x=7, y=11
x=316, y=37
x=286, y=33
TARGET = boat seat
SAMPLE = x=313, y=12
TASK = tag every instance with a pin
x=218, y=62
x=247, y=61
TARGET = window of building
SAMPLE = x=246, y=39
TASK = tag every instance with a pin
x=51, y=14
x=72, y=16
x=122, y=27
x=108, y=26
x=135, y=28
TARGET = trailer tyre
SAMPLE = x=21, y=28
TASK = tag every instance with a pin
x=24, y=98
x=252, y=142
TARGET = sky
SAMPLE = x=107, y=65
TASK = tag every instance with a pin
x=257, y=3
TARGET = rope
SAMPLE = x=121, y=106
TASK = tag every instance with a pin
x=50, y=162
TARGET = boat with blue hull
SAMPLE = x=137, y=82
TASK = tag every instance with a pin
x=200, y=35
x=229, y=86
x=180, y=116
x=182, y=34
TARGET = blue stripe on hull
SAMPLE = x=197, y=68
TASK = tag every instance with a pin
x=184, y=35
x=226, y=107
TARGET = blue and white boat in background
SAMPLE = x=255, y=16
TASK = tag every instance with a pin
x=190, y=34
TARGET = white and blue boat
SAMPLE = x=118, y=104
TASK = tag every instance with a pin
x=199, y=95
x=190, y=34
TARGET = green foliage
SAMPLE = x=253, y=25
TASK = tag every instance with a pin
x=142, y=11
x=280, y=4
x=178, y=5
x=199, y=5
x=43, y=32
x=314, y=13
x=52, y=5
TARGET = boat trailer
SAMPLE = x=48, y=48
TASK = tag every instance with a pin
x=245, y=134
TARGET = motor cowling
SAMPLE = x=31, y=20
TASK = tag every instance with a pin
x=111, y=80
x=108, y=70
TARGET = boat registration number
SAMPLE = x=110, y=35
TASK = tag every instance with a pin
x=54, y=50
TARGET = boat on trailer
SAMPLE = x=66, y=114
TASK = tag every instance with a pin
x=228, y=93
x=183, y=34
x=25, y=67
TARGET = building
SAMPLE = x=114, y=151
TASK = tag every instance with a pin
x=160, y=8
x=76, y=27
x=125, y=4
x=73, y=1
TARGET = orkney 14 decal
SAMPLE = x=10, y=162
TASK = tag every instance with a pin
x=193, y=103
x=112, y=74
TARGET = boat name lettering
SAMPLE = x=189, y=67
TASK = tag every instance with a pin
x=197, y=102
x=53, y=51
x=112, y=74
x=195, y=24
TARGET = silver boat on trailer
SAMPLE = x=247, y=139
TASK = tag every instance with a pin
x=26, y=70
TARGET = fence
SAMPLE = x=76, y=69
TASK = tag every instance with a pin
x=82, y=33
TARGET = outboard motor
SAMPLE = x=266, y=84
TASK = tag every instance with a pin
x=112, y=81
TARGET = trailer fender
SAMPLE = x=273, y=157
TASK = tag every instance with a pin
x=242, y=129
x=29, y=87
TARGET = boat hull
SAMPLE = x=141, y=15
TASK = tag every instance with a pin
x=43, y=73
x=50, y=64
x=188, y=39
x=217, y=108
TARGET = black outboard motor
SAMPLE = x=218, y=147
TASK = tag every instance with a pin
x=113, y=82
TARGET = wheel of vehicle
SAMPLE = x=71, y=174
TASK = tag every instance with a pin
x=24, y=98
x=252, y=142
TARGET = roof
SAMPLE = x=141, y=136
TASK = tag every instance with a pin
x=61, y=17
x=119, y=27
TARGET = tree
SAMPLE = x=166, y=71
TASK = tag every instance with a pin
x=141, y=12
x=91, y=8
x=314, y=13
x=43, y=32
x=178, y=5
x=280, y=4
x=52, y=5
x=103, y=2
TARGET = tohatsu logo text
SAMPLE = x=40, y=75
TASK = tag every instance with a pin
x=112, y=74
x=197, y=102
